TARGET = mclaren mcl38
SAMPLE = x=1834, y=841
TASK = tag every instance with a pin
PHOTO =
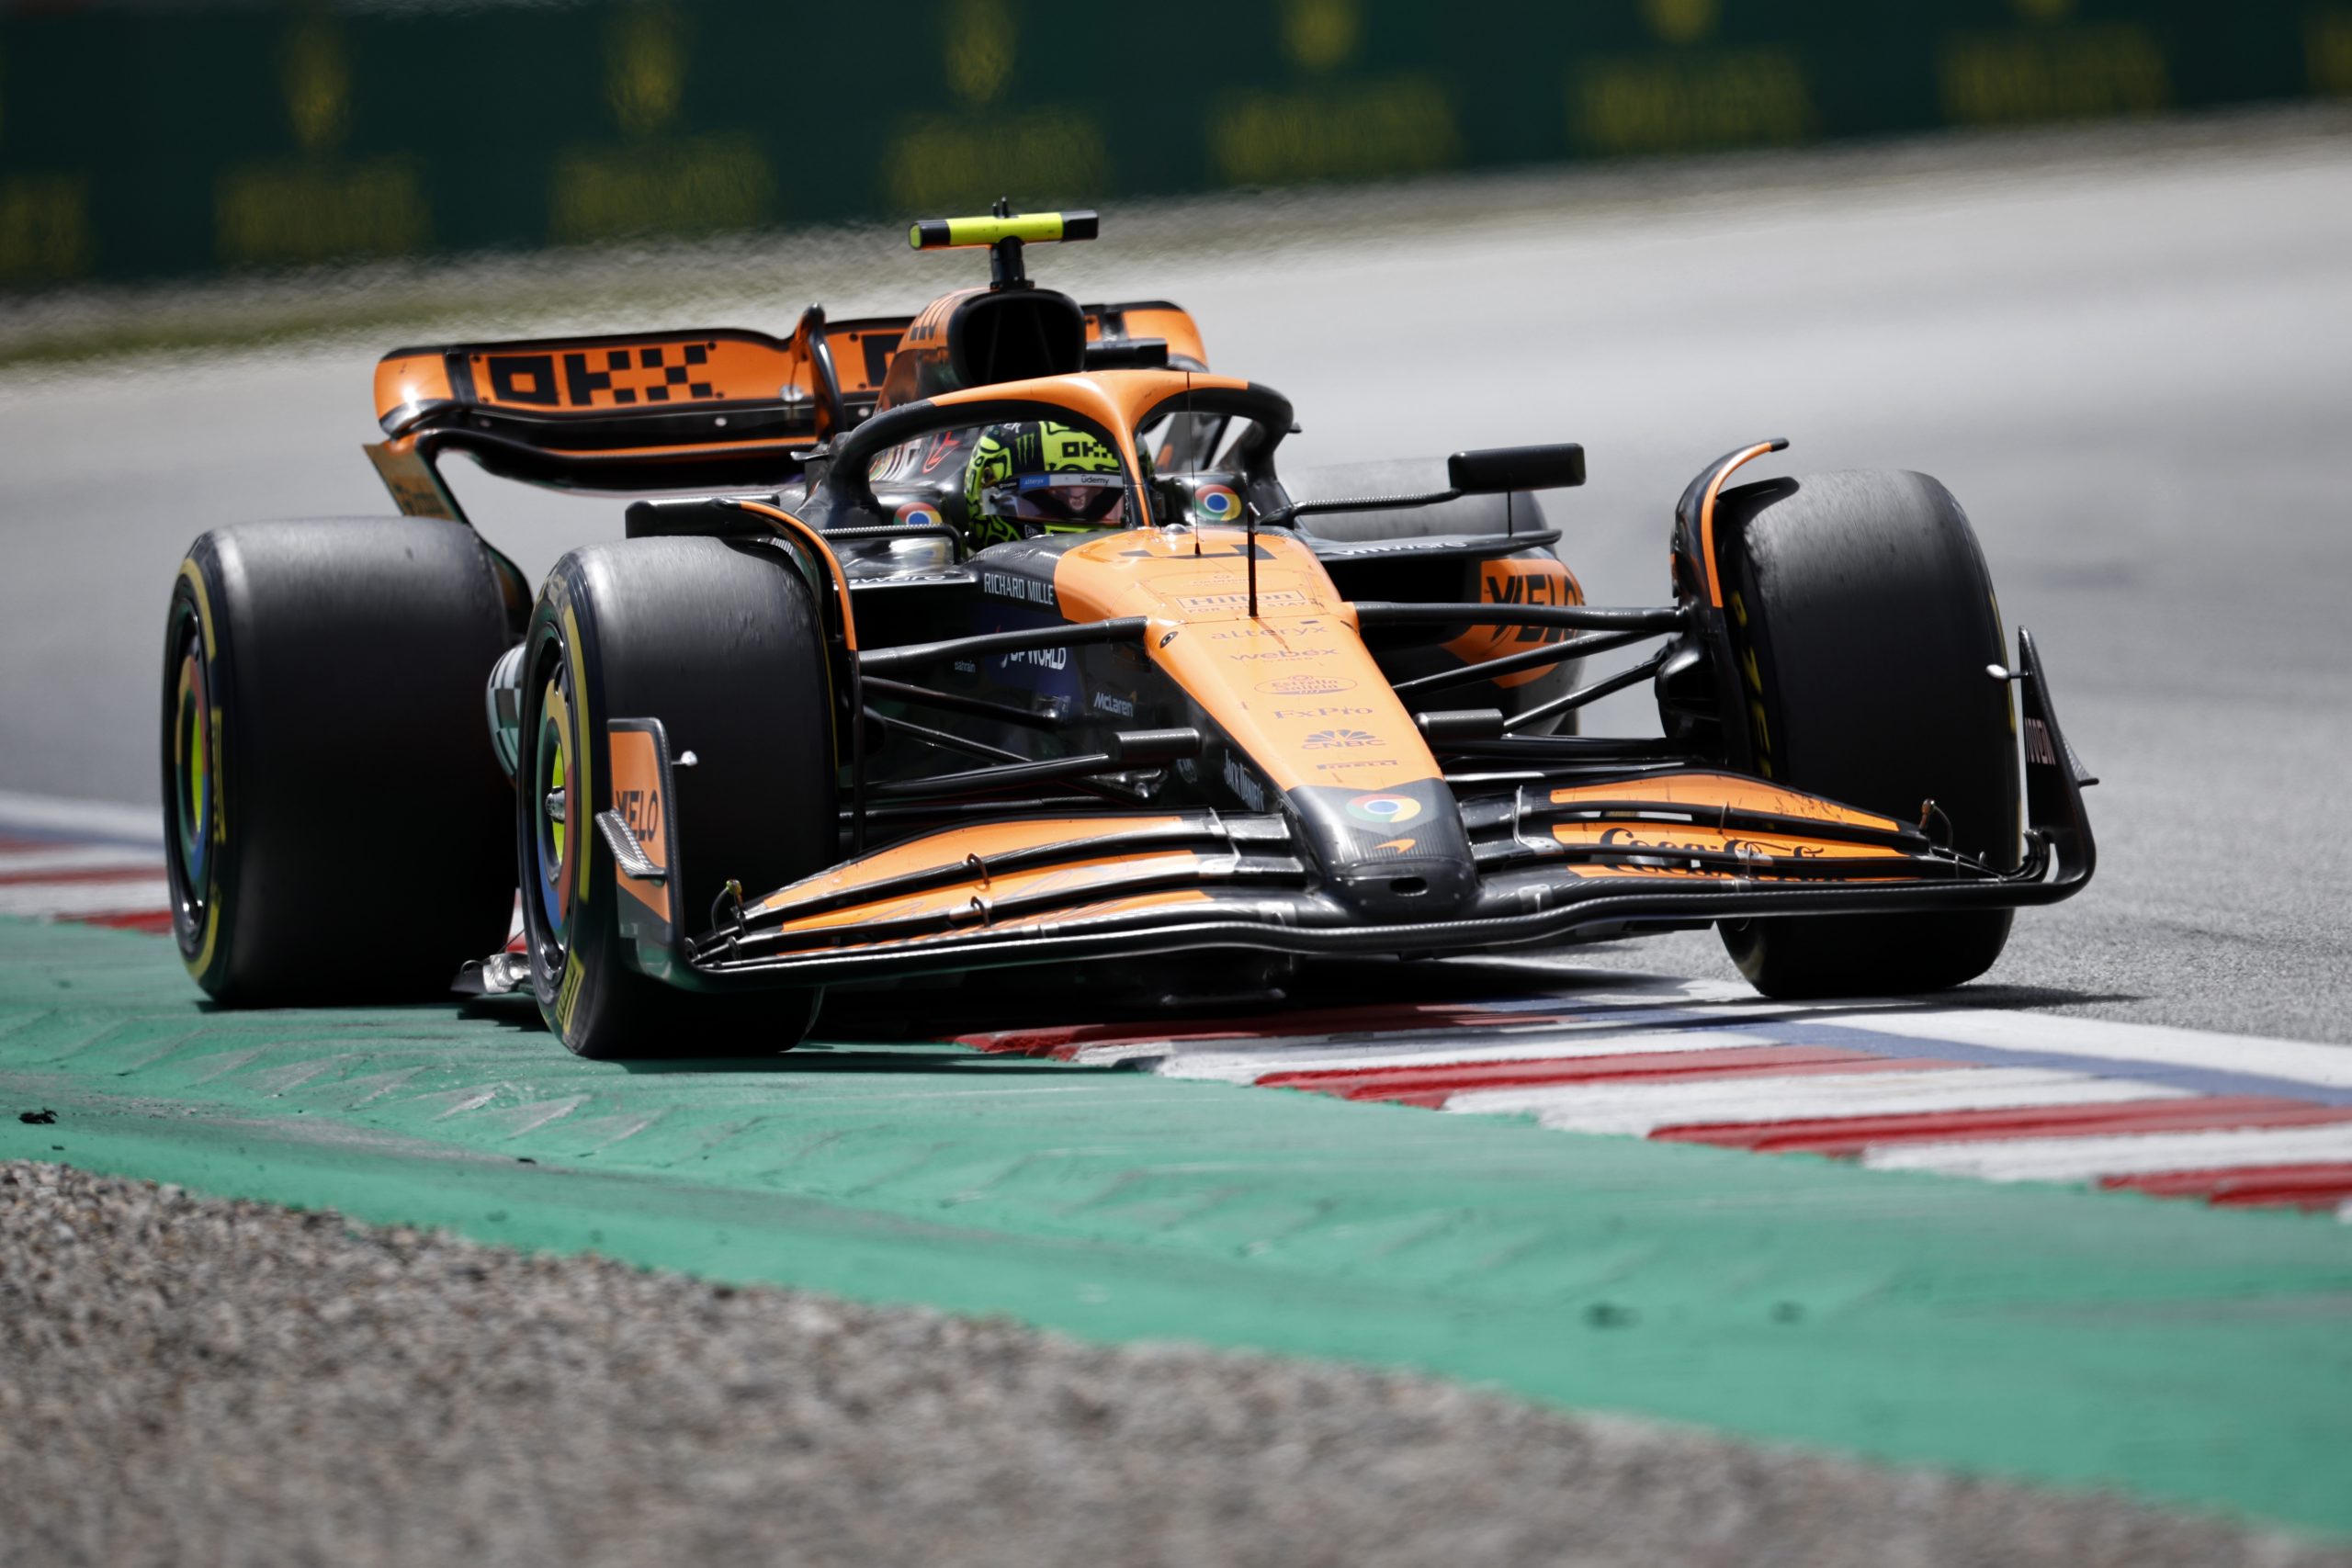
x=998, y=634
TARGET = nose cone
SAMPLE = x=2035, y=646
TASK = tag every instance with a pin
x=1407, y=888
x=1395, y=854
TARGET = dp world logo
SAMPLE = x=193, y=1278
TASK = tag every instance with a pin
x=1326, y=740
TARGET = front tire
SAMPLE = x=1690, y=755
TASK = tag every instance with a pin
x=1864, y=619
x=336, y=821
x=721, y=643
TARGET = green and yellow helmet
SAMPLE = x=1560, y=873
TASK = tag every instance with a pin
x=1038, y=477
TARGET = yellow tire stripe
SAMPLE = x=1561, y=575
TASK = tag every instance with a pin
x=582, y=733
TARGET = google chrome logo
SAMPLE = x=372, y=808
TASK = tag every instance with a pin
x=1385, y=810
x=1216, y=503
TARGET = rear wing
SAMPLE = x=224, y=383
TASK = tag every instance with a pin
x=641, y=413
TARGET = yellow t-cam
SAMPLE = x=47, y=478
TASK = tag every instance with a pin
x=955, y=233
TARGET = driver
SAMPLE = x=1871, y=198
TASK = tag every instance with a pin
x=1038, y=477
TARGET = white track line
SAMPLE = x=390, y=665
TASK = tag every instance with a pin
x=77, y=857
x=1640, y=1109
x=1612, y=1014
x=1438, y=1038
x=81, y=818
x=2086, y=1159
x=2301, y=1061
x=55, y=900
x=1250, y=1064
x=2155, y=1045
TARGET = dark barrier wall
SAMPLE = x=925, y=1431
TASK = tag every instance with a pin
x=147, y=141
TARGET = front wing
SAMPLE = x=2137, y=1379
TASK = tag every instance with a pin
x=1554, y=862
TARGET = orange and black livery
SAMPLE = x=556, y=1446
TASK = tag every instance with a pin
x=1006, y=633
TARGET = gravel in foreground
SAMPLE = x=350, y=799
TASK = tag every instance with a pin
x=189, y=1381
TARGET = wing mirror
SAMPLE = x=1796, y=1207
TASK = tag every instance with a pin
x=1500, y=469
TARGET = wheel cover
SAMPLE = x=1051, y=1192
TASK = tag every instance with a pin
x=551, y=776
x=192, y=767
x=193, y=822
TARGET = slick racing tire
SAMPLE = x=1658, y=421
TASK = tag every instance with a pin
x=335, y=819
x=721, y=643
x=1863, y=619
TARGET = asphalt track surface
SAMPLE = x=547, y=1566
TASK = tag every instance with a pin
x=2134, y=367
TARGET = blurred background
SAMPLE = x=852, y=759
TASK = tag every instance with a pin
x=2090, y=262
x=193, y=138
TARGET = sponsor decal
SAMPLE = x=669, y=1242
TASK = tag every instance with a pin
x=948, y=446
x=1326, y=740
x=1305, y=685
x=1625, y=838
x=1268, y=600
x=1532, y=582
x=920, y=512
x=1243, y=783
x=1216, y=503
x=1395, y=846
x=1324, y=712
x=1382, y=761
x=1038, y=657
x=1384, y=548
x=1288, y=635
x=1013, y=585
x=641, y=809
x=2038, y=748
x=1387, y=810
x=1283, y=654
x=1122, y=707
x=603, y=378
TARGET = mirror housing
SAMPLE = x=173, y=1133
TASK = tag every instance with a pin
x=1128, y=354
x=1500, y=468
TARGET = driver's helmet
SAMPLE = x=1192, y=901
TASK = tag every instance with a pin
x=1038, y=477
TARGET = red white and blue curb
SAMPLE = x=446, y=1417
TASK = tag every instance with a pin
x=98, y=863
x=1896, y=1085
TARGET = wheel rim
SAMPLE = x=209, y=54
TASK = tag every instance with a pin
x=192, y=770
x=192, y=818
x=552, y=838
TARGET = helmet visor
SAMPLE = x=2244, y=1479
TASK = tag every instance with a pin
x=1066, y=501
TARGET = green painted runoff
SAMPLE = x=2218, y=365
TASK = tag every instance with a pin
x=2182, y=1353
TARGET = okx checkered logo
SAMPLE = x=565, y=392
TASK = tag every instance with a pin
x=600, y=378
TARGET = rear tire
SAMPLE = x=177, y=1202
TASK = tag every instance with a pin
x=1864, y=619
x=337, y=822
x=721, y=643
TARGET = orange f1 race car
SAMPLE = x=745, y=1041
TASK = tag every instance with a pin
x=995, y=635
